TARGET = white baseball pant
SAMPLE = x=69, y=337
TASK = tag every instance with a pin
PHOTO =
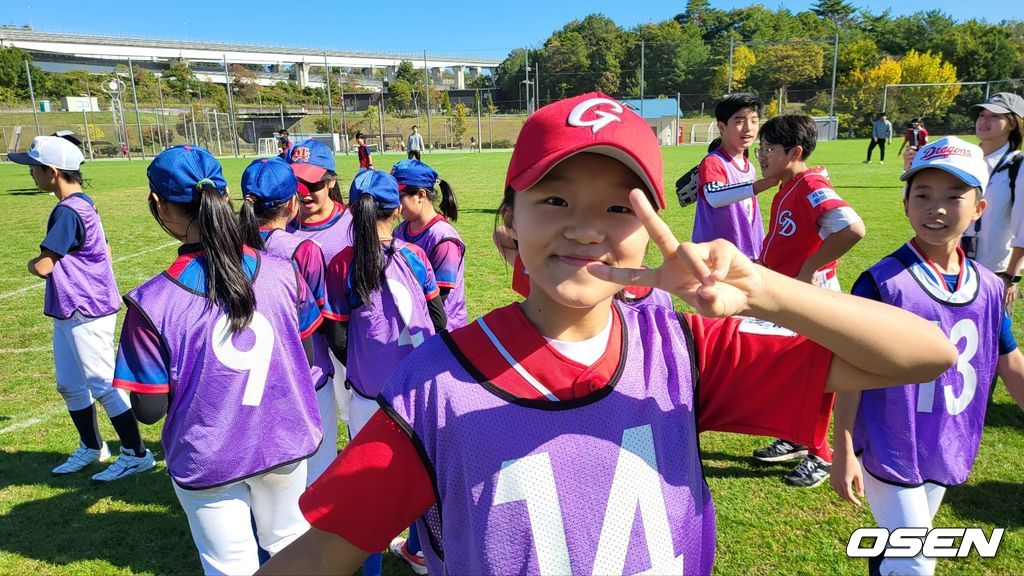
x=328, y=451
x=221, y=526
x=900, y=507
x=83, y=356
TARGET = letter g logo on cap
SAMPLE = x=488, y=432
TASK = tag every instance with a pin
x=603, y=117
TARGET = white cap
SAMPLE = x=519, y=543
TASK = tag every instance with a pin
x=50, y=151
x=961, y=159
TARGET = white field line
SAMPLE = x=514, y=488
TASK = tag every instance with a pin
x=25, y=350
x=34, y=285
x=53, y=411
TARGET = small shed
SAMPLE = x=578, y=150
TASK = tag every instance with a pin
x=661, y=114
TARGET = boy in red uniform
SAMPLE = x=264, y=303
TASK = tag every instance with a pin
x=810, y=228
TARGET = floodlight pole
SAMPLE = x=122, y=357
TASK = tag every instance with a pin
x=675, y=137
x=330, y=104
x=32, y=93
x=528, y=107
x=135, y=100
x=163, y=131
x=88, y=137
x=231, y=108
x=641, y=78
x=479, y=124
x=426, y=88
x=832, y=99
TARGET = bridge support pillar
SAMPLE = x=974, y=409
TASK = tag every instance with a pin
x=460, y=77
x=302, y=74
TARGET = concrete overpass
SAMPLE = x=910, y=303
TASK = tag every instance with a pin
x=59, y=51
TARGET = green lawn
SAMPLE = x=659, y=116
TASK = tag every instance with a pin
x=67, y=526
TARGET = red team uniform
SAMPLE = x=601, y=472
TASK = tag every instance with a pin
x=793, y=233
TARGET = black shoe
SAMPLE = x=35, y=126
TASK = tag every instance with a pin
x=810, y=472
x=780, y=451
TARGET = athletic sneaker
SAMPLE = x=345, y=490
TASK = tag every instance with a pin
x=81, y=458
x=810, y=472
x=881, y=161
x=867, y=162
x=416, y=561
x=126, y=465
x=779, y=451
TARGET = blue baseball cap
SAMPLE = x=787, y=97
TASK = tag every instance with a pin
x=414, y=173
x=381, y=185
x=270, y=181
x=179, y=173
x=310, y=159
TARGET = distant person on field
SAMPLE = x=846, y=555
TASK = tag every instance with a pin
x=727, y=202
x=283, y=142
x=916, y=136
x=363, y=152
x=83, y=300
x=881, y=134
x=415, y=143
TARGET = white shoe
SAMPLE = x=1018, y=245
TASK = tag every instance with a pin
x=881, y=161
x=126, y=465
x=81, y=458
x=416, y=561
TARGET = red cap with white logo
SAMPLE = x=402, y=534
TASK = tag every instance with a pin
x=594, y=123
x=961, y=159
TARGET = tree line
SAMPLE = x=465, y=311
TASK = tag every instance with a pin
x=785, y=56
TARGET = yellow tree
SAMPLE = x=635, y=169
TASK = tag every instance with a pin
x=927, y=68
x=787, y=64
x=743, y=60
x=861, y=92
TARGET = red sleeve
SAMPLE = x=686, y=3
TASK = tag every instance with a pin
x=357, y=497
x=711, y=170
x=758, y=378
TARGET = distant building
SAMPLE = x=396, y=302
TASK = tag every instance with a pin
x=80, y=104
x=661, y=114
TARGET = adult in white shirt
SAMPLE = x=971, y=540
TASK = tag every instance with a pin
x=1000, y=231
x=415, y=143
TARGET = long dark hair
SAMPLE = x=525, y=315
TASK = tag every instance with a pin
x=333, y=192
x=368, y=263
x=252, y=215
x=221, y=238
x=449, y=205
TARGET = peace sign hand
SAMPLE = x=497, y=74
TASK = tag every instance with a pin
x=714, y=277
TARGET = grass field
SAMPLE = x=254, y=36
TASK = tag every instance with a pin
x=135, y=526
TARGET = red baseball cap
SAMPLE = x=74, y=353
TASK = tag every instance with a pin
x=595, y=123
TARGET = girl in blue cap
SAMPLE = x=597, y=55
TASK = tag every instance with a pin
x=382, y=301
x=199, y=344
x=323, y=217
x=421, y=188
x=269, y=189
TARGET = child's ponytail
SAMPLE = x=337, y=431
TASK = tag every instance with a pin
x=250, y=224
x=221, y=238
x=449, y=205
x=368, y=263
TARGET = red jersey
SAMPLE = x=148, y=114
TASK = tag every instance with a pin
x=793, y=233
x=363, y=152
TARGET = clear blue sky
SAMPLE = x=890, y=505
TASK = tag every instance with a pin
x=484, y=28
